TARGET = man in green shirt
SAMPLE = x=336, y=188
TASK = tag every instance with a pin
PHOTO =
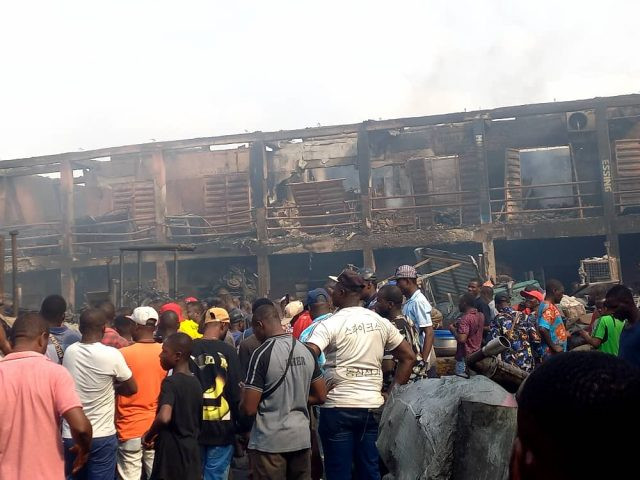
x=606, y=336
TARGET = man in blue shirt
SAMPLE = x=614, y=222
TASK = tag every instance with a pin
x=53, y=310
x=319, y=305
x=417, y=309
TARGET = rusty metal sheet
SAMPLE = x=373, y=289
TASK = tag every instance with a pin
x=227, y=202
x=454, y=281
x=512, y=181
x=138, y=198
x=628, y=172
x=325, y=200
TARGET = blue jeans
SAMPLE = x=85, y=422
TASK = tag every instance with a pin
x=102, y=459
x=216, y=462
x=348, y=436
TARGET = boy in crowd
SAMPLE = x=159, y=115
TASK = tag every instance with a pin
x=174, y=432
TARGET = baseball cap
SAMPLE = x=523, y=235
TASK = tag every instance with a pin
x=351, y=280
x=405, y=271
x=142, y=315
x=368, y=275
x=502, y=297
x=174, y=307
x=316, y=296
x=217, y=314
x=349, y=268
x=532, y=294
x=291, y=310
x=190, y=299
x=236, y=315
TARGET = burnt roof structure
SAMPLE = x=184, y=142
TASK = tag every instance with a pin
x=541, y=171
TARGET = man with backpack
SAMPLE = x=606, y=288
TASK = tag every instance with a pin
x=215, y=363
x=283, y=378
x=53, y=310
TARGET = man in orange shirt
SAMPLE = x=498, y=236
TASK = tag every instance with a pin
x=135, y=414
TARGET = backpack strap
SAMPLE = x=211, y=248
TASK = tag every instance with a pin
x=59, y=351
x=275, y=387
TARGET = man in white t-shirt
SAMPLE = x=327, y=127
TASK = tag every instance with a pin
x=99, y=371
x=354, y=340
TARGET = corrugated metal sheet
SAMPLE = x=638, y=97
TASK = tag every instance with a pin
x=452, y=282
x=138, y=199
x=227, y=202
x=628, y=172
x=513, y=179
x=324, y=201
x=436, y=175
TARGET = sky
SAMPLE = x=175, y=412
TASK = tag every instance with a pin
x=83, y=74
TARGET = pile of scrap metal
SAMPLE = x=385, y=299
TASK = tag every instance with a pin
x=487, y=362
x=238, y=281
x=444, y=277
x=147, y=294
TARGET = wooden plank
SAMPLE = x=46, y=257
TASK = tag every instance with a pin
x=442, y=270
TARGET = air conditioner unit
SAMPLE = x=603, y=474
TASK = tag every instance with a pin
x=584, y=121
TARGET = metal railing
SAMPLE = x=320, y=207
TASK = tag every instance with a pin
x=626, y=192
x=44, y=238
x=424, y=209
x=202, y=229
x=113, y=233
x=516, y=203
x=340, y=215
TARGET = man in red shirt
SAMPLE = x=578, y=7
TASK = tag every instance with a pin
x=36, y=394
x=468, y=332
x=111, y=336
x=304, y=319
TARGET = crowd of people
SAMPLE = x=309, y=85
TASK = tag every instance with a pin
x=176, y=390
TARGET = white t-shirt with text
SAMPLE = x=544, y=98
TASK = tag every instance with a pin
x=354, y=341
x=94, y=367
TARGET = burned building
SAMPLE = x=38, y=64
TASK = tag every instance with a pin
x=531, y=188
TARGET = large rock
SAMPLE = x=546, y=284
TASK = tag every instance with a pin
x=448, y=428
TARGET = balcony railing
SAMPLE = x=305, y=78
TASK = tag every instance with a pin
x=35, y=239
x=110, y=234
x=417, y=211
x=191, y=228
x=313, y=219
x=521, y=205
x=626, y=191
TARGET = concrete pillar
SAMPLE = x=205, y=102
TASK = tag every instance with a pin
x=489, y=253
x=67, y=282
x=162, y=276
x=613, y=250
x=369, y=258
x=608, y=197
x=159, y=176
x=68, y=211
x=479, y=135
x=68, y=285
x=364, y=171
x=258, y=180
x=264, y=275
